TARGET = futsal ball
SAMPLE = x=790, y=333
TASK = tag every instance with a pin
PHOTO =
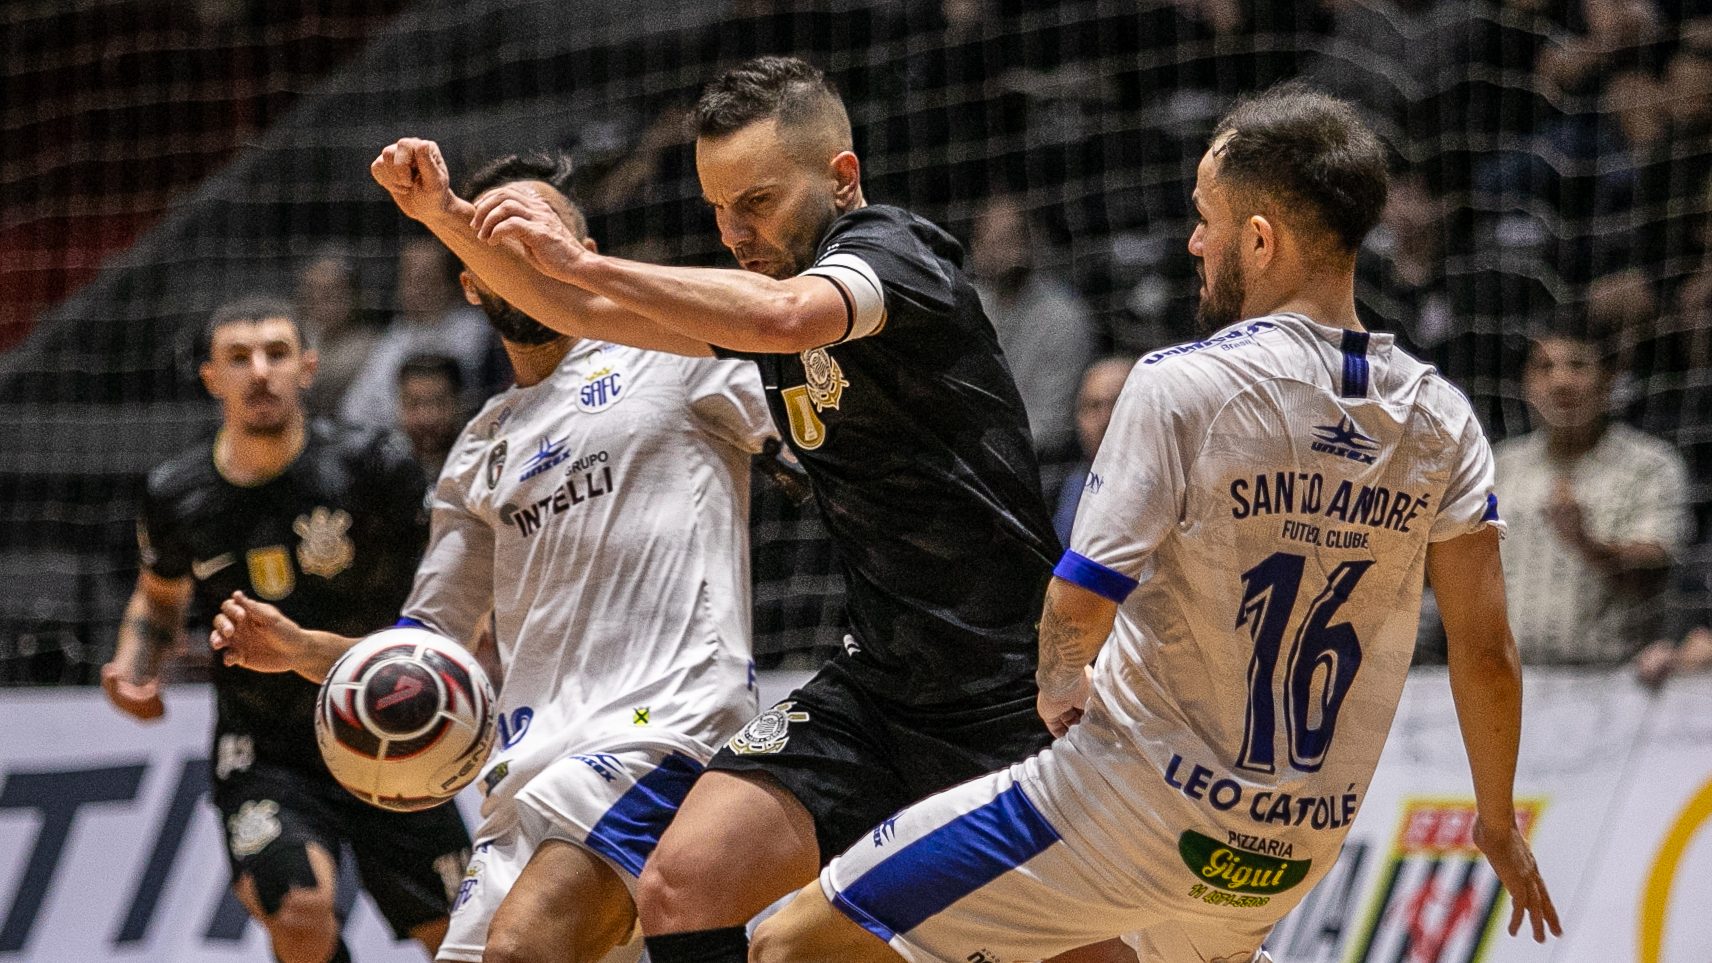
x=405, y=719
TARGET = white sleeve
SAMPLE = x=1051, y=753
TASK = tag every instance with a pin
x=726, y=398
x=453, y=590
x=864, y=298
x=1136, y=490
x=1469, y=502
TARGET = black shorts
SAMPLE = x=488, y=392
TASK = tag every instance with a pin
x=411, y=863
x=852, y=758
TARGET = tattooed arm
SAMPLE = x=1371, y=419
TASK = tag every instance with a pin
x=1073, y=627
x=153, y=619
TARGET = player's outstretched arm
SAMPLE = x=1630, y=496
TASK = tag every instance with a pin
x=153, y=618
x=741, y=310
x=1486, y=684
x=1073, y=626
x=257, y=636
x=414, y=173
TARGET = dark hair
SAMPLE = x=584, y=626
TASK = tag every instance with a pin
x=787, y=88
x=1572, y=323
x=1307, y=152
x=250, y=308
x=553, y=169
x=433, y=366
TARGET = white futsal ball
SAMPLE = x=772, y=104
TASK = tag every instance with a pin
x=405, y=719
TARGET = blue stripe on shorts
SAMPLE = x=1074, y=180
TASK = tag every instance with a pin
x=931, y=873
x=630, y=830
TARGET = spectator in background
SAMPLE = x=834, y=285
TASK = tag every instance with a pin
x=430, y=414
x=327, y=301
x=1595, y=510
x=1098, y=394
x=1044, y=327
x=433, y=318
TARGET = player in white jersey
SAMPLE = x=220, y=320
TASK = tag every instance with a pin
x=1246, y=564
x=599, y=510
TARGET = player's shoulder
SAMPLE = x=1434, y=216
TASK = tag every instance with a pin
x=361, y=448
x=1643, y=452
x=1211, y=369
x=892, y=229
x=188, y=472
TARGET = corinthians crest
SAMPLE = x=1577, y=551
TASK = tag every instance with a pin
x=768, y=732
x=803, y=403
x=826, y=382
x=325, y=549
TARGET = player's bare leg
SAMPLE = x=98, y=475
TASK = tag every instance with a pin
x=738, y=843
x=430, y=934
x=566, y=907
x=303, y=928
x=809, y=928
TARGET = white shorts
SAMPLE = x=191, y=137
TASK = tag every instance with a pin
x=613, y=804
x=980, y=873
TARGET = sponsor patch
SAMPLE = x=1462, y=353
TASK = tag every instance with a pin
x=1236, y=870
x=495, y=776
x=271, y=574
x=768, y=732
x=1342, y=440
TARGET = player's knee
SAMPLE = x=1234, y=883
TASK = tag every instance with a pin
x=672, y=880
x=773, y=942
x=304, y=930
x=662, y=887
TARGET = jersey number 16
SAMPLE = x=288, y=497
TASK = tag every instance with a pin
x=1268, y=601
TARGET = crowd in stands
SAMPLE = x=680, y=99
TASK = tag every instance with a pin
x=1548, y=245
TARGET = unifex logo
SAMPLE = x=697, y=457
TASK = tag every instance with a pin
x=1344, y=441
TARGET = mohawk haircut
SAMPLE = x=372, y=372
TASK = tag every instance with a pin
x=787, y=89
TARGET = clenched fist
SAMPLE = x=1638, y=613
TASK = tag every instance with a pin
x=415, y=174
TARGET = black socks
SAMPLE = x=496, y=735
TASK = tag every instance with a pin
x=728, y=944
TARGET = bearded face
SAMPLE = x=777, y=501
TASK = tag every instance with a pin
x=513, y=325
x=1222, y=297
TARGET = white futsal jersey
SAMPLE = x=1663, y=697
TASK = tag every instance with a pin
x=1261, y=506
x=603, y=516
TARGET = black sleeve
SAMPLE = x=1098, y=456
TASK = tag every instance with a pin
x=159, y=548
x=900, y=248
x=398, y=510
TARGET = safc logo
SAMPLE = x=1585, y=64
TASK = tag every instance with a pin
x=1344, y=441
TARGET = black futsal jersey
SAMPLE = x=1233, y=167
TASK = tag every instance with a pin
x=914, y=435
x=333, y=541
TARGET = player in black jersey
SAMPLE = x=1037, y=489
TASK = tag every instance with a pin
x=880, y=363
x=327, y=524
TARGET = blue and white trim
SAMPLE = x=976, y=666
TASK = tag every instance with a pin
x=1102, y=581
x=1355, y=367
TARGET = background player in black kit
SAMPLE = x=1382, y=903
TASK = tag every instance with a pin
x=879, y=361
x=327, y=524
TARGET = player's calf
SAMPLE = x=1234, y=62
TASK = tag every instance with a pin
x=288, y=888
x=809, y=928
x=305, y=929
